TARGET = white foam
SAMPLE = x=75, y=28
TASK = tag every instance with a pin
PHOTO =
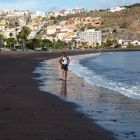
x=92, y=78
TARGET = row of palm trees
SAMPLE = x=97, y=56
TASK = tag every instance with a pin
x=18, y=41
x=22, y=42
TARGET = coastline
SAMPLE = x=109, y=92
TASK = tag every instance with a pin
x=27, y=113
x=105, y=107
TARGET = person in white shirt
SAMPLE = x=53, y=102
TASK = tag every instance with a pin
x=64, y=63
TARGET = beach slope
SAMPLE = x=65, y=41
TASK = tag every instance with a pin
x=29, y=114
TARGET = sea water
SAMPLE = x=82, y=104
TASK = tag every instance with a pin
x=118, y=71
x=116, y=110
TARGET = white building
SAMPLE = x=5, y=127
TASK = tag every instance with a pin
x=116, y=9
x=135, y=42
x=8, y=31
x=38, y=13
x=22, y=21
x=127, y=42
x=90, y=35
x=52, y=29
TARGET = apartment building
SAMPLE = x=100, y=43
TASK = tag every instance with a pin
x=91, y=35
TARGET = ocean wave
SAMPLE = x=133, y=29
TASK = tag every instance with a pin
x=90, y=76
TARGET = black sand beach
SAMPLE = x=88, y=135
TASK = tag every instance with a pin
x=28, y=114
x=108, y=108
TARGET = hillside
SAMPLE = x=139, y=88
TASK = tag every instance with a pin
x=127, y=19
x=122, y=19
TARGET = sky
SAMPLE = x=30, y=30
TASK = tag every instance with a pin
x=46, y=5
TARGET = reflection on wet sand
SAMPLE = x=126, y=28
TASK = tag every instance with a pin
x=109, y=109
x=63, y=91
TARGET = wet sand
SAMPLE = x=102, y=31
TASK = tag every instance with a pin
x=111, y=110
x=29, y=114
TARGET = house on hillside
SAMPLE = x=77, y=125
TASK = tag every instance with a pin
x=116, y=9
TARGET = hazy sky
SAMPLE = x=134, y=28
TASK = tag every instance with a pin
x=45, y=5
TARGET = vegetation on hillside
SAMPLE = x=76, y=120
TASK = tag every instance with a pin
x=134, y=5
x=121, y=19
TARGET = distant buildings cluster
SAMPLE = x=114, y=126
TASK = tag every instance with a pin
x=12, y=21
x=125, y=43
x=65, y=12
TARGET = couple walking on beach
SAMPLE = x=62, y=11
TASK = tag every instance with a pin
x=64, y=63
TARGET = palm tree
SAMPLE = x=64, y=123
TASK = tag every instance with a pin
x=23, y=35
x=108, y=43
x=84, y=45
x=16, y=38
x=10, y=34
x=54, y=43
x=10, y=42
x=10, y=39
x=61, y=44
x=1, y=40
x=46, y=44
x=34, y=43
